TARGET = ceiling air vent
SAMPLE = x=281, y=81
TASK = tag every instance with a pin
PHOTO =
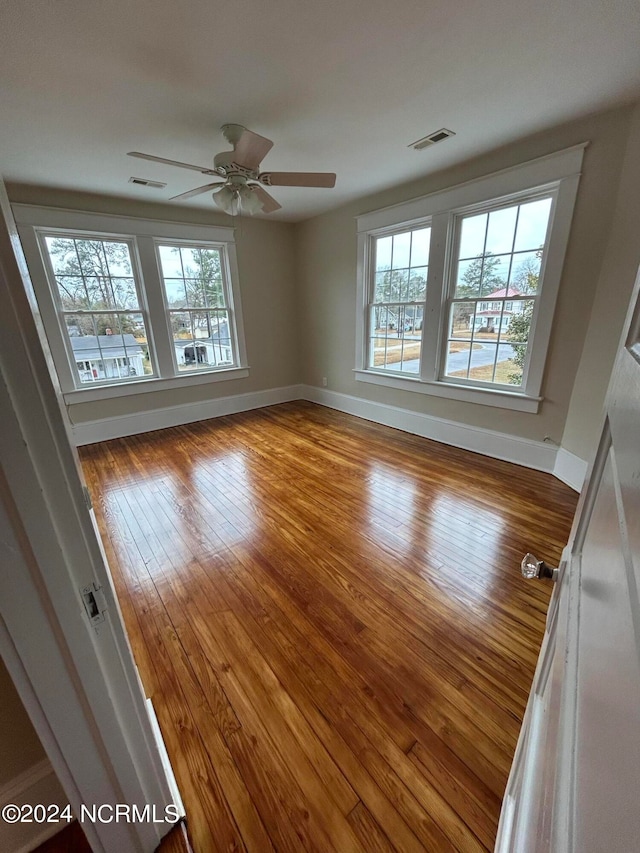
x=432, y=138
x=143, y=182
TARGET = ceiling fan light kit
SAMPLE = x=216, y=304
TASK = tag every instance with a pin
x=242, y=188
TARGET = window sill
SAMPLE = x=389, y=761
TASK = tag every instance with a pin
x=483, y=396
x=107, y=392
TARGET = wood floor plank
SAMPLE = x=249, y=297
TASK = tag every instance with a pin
x=329, y=618
x=368, y=831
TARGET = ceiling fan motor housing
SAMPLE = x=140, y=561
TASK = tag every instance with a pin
x=225, y=165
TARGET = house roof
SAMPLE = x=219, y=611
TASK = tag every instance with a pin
x=105, y=346
x=501, y=294
x=343, y=92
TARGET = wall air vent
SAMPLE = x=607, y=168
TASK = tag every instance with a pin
x=143, y=182
x=432, y=138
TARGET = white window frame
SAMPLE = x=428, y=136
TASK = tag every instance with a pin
x=557, y=175
x=143, y=236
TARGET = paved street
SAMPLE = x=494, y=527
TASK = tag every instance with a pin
x=458, y=360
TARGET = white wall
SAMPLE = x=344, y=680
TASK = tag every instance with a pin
x=614, y=287
x=26, y=775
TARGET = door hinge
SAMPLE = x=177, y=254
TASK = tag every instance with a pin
x=94, y=602
x=87, y=497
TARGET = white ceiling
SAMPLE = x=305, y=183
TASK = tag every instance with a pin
x=339, y=85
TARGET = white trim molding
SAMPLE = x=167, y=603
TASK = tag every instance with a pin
x=553, y=179
x=498, y=445
x=90, y=432
x=37, y=784
x=144, y=239
x=571, y=469
x=505, y=182
x=500, y=399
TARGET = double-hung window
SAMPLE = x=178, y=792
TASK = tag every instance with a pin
x=98, y=301
x=133, y=305
x=195, y=292
x=400, y=267
x=456, y=290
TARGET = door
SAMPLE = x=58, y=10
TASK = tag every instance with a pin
x=61, y=632
x=574, y=785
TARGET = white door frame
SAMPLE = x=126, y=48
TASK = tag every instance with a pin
x=77, y=680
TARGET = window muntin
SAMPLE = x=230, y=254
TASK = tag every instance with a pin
x=198, y=310
x=99, y=306
x=554, y=175
x=495, y=283
x=396, y=309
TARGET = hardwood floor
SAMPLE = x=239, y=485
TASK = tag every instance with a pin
x=72, y=839
x=330, y=619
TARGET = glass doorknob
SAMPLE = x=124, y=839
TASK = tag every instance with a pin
x=532, y=567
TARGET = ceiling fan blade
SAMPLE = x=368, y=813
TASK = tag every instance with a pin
x=269, y=204
x=298, y=179
x=197, y=191
x=203, y=169
x=251, y=149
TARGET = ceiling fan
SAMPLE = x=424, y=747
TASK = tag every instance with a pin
x=242, y=189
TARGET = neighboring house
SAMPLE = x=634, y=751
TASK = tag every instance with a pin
x=490, y=316
x=214, y=350
x=100, y=357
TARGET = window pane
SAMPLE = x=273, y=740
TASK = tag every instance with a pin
x=399, y=280
x=395, y=338
x=417, y=284
x=462, y=319
x=109, y=347
x=99, y=293
x=482, y=362
x=118, y=258
x=532, y=224
x=382, y=287
x=73, y=293
x=201, y=339
x=472, y=236
x=482, y=276
x=508, y=266
x=401, y=250
x=383, y=253
x=516, y=340
x=124, y=292
x=495, y=274
x=170, y=262
x=194, y=288
x=502, y=224
x=402, y=267
x=469, y=278
x=181, y=325
x=193, y=280
x=458, y=353
x=214, y=292
x=420, y=244
x=191, y=265
x=175, y=292
x=525, y=273
x=92, y=274
x=62, y=253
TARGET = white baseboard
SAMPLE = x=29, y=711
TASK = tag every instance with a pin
x=569, y=468
x=37, y=785
x=498, y=445
x=90, y=432
x=164, y=757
